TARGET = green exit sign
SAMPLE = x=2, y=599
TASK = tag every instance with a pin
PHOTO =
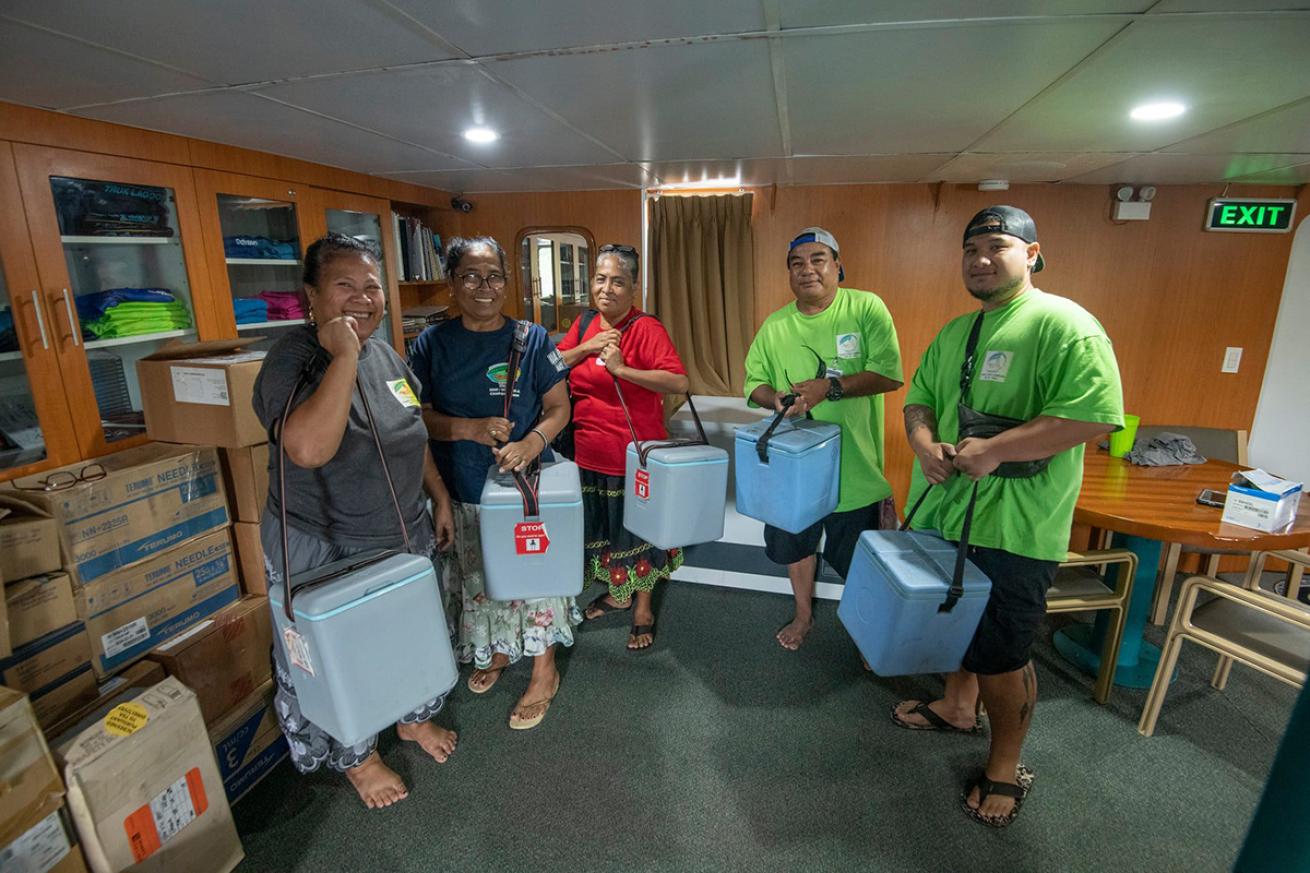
x=1251, y=216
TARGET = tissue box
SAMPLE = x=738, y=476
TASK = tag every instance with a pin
x=1260, y=500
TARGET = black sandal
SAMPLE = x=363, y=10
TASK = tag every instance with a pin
x=986, y=787
x=605, y=608
x=639, y=630
x=935, y=721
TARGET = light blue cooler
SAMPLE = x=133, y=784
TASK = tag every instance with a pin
x=369, y=643
x=676, y=498
x=796, y=482
x=527, y=556
x=891, y=603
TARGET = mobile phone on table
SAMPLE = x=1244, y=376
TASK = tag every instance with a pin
x=1211, y=497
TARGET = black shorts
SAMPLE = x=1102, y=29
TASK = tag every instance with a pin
x=1003, y=642
x=843, y=529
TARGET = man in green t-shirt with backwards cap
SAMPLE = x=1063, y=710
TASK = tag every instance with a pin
x=852, y=333
x=1046, y=364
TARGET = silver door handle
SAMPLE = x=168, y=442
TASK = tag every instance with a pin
x=72, y=320
x=40, y=320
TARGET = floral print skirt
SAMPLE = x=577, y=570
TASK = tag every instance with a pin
x=486, y=627
x=614, y=555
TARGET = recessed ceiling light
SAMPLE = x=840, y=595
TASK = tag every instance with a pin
x=481, y=135
x=706, y=183
x=1157, y=111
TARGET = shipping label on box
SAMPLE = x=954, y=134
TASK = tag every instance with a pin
x=39, y=605
x=31, y=783
x=248, y=743
x=134, y=609
x=29, y=539
x=143, y=787
x=201, y=393
x=1259, y=500
x=245, y=475
x=250, y=556
x=222, y=659
x=40, y=849
x=151, y=498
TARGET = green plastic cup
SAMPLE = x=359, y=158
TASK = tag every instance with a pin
x=1121, y=442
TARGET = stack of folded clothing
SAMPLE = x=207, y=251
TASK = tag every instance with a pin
x=8, y=336
x=250, y=310
x=284, y=305
x=244, y=246
x=122, y=312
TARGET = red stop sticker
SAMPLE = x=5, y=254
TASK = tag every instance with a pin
x=530, y=538
x=641, y=485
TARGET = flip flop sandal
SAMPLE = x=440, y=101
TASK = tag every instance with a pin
x=638, y=630
x=604, y=607
x=538, y=710
x=494, y=672
x=935, y=721
x=1018, y=790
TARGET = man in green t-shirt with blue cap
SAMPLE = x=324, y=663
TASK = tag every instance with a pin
x=1005, y=397
x=852, y=334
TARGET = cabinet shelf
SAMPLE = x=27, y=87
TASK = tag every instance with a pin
x=264, y=325
x=265, y=262
x=138, y=338
x=10, y=356
x=120, y=240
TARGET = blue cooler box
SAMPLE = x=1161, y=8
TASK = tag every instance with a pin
x=889, y=605
x=799, y=485
x=527, y=558
x=369, y=645
x=677, y=499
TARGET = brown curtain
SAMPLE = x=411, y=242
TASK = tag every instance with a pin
x=703, y=282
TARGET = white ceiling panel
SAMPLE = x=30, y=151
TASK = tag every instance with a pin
x=41, y=69
x=531, y=179
x=833, y=170
x=432, y=106
x=662, y=103
x=820, y=13
x=1223, y=70
x=483, y=27
x=851, y=94
x=1285, y=130
x=252, y=122
x=1023, y=167
x=239, y=41
x=1297, y=175
x=1163, y=169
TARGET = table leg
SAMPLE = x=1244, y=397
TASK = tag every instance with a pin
x=1082, y=644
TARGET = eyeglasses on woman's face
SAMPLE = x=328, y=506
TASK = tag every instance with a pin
x=471, y=281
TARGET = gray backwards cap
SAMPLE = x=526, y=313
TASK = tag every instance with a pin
x=1009, y=220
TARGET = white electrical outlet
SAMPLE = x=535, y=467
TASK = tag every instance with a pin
x=1232, y=359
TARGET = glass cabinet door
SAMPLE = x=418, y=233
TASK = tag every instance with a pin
x=261, y=248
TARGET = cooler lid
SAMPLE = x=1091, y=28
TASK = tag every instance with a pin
x=919, y=565
x=341, y=583
x=677, y=456
x=793, y=436
x=560, y=485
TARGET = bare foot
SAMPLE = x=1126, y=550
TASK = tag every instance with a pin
x=791, y=636
x=436, y=741
x=377, y=784
x=961, y=719
x=532, y=706
x=482, y=679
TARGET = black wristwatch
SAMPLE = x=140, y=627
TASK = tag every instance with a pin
x=835, y=391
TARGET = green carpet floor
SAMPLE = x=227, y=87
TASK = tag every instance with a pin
x=719, y=751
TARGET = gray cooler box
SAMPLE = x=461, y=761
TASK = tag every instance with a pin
x=369, y=644
x=528, y=558
x=677, y=498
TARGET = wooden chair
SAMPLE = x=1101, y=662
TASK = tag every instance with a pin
x=1213, y=442
x=1079, y=586
x=1241, y=623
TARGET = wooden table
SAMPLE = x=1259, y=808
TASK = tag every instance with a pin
x=1147, y=507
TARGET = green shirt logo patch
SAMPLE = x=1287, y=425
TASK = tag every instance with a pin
x=848, y=345
x=405, y=394
x=996, y=366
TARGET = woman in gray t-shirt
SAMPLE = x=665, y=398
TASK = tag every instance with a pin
x=337, y=502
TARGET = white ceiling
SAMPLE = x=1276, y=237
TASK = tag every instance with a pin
x=626, y=93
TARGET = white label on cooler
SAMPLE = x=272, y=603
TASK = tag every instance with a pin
x=298, y=650
x=38, y=850
x=120, y=639
x=207, y=385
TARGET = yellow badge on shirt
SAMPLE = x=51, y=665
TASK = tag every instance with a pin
x=404, y=393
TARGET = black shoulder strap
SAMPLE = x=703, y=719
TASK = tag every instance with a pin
x=527, y=487
x=970, y=353
x=584, y=322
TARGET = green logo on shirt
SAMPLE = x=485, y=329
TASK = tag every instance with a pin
x=996, y=366
x=498, y=374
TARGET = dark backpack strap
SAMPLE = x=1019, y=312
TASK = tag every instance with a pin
x=527, y=487
x=962, y=554
x=970, y=353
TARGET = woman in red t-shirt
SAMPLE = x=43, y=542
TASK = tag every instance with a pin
x=621, y=342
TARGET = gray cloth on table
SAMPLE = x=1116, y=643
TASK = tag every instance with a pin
x=1165, y=450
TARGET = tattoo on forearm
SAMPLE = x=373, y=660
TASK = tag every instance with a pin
x=920, y=416
x=1029, y=693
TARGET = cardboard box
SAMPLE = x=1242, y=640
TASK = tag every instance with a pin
x=151, y=498
x=39, y=605
x=250, y=557
x=29, y=539
x=132, y=610
x=114, y=690
x=245, y=475
x=248, y=743
x=46, y=846
x=223, y=659
x=144, y=790
x=5, y=648
x=32, y=787
x=55, y=670
x=201, y=393
x=1262, y=501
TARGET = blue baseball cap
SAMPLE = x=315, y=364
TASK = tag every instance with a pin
x=819, y=235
